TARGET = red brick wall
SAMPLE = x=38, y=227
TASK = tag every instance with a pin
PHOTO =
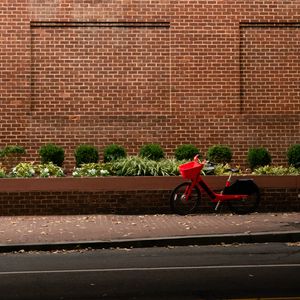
x=132, y=72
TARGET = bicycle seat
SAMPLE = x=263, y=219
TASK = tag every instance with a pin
x=233, y=170
x=209, y=168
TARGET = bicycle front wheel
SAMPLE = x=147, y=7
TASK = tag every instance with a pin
x=179, y=204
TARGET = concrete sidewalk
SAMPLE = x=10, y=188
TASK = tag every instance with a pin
x=103, y=231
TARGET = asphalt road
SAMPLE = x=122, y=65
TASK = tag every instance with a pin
x=198, y=272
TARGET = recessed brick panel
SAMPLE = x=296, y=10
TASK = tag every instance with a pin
x=99, y=69
x=270, y=64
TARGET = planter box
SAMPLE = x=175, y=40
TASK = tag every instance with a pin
x=68, y=195
x=131, y=183
x=89, y=184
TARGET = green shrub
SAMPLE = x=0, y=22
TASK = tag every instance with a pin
x=186, y=152
x=85, y=154
x=140, y=166
x=113, y=152
x=10, y=156
x=258, y=157
x=91, y=170
x=152, y=151
x=219, y=154
x=13, y=150
x=52, y=153
x=293, y=155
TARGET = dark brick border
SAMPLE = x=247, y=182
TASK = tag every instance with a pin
x=126, y=195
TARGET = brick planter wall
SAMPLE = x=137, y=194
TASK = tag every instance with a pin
x=134, y=72
x=140, y=195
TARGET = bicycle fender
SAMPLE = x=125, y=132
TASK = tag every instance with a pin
x=241, y=186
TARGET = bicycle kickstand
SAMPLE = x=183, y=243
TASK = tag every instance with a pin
x=217, y=206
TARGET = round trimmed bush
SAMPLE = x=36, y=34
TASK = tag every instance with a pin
x=293, y=155
x=219, y=154
x=52, y=153
x=13, y=150
x=152, y=151
x=85, y=154
x=258, y=157
x=186, y=152
x=113, y=152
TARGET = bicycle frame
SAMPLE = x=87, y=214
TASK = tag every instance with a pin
x=214, y=197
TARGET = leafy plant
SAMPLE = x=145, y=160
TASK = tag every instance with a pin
x=2, y=172
x=276, y=170
x=113, y=152
x=186, y=152
x=139, y=166
x=23, y=170
x=293, y=155
x=152, y=151
x=49, y=170
x=219, y=154
x=133, y=166
x=85, y=154
x=258, y=157
x=52, y=153
x=221, y=169
x=91, y=170
x=168, y=167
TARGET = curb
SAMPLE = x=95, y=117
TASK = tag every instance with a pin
x=200, y=240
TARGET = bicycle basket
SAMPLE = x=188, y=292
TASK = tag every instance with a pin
x=190, y=170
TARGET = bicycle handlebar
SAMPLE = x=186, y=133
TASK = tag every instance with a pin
x=196, y=159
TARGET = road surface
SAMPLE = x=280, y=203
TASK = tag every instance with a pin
x=195, y=272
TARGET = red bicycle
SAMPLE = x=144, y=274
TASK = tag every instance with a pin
x=242, y=196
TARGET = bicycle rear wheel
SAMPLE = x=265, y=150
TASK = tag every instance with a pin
x=247, y=205
x=179, y=204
